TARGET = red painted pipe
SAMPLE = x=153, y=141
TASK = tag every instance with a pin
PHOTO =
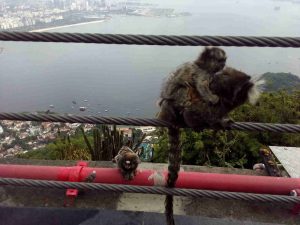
x=194, y=180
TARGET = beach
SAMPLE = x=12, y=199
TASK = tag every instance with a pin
x=65, y=26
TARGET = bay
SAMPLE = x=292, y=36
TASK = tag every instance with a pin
x=120, y=80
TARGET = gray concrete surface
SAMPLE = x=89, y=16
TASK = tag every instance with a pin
x=289, y=157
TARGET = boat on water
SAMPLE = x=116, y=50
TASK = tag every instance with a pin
x=82, y=108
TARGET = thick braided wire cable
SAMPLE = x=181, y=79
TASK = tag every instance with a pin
x=152, y=190
x=171, y=40
x=247, y=126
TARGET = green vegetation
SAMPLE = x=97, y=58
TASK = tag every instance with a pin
x=64, y=148
x=101, y=143
x=280, y=81
x=236, y=148
x=106, y=142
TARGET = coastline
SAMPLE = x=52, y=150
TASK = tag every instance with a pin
x=70, y=25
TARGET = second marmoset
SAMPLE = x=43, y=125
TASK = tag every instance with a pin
x=127, y=161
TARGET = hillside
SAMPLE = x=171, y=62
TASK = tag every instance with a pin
x=279, y=81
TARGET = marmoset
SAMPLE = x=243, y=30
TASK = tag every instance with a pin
x=189, y=108
x=232, y=87
x=127, y=161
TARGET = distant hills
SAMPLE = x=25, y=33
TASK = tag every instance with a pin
x=280, y=81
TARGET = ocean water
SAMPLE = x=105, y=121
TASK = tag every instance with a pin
x=120, y=80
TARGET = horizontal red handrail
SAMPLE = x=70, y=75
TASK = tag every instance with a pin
x=145, y=177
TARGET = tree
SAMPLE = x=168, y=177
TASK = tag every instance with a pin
x=64, y=148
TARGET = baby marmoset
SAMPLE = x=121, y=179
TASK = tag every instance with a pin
x=197, y=74
x=127, y=161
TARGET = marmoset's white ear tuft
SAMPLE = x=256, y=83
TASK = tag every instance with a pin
x=255, y=91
